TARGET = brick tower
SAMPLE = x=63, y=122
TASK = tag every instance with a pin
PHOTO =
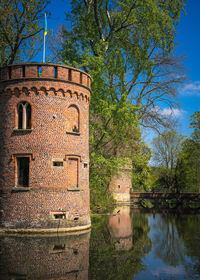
x=44, y=147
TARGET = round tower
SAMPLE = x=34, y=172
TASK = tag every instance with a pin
x=44, y=154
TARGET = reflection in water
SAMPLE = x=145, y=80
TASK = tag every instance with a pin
x=167, y=245
x=124, y=246
x=175, y=250
x=189, y=231
x=120, y=227
x=116, y=251
x=49, y=257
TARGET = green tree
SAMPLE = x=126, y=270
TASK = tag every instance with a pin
x=19, y=29
x=127, y=48
x=189, y=159
x=128, y=44
x=165, y=150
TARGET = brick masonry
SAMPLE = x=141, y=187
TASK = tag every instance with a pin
x=120, y=228
x=121, y=184
x=59, y=96
x=50, y=257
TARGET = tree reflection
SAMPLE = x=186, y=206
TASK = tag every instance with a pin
x=122, y=260
x=167, y=245
x=189, y=231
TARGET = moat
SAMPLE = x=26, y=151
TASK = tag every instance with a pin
x=126, y=245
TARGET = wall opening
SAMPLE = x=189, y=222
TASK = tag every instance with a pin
x=23, y=71
x=9, y=72
x=39, y=71
x=73, y=119
x=59, y=216
x=24, y=115
x=69, y=74
x=58, y=163
x=23, y=171
x=55, y=72
x=58, y=247
x=81, y=78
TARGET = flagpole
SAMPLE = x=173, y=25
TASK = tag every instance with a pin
x=45, y=33
x=44, y=49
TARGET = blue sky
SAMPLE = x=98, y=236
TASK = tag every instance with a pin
x=188, y=41
x=187, y=45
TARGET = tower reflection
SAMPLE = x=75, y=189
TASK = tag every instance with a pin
x=63, y=257
x=120, y=227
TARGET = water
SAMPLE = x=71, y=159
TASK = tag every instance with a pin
x=125, y=245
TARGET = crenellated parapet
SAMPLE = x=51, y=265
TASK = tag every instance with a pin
x=48, y=79
x=38, y=71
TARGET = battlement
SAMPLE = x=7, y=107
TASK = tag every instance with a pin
x=43, y=71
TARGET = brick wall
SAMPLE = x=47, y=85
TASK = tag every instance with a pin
x=58, y=257
x=121, y=184
x=120, y=227
x=51, y=94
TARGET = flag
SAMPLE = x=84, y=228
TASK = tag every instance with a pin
x=45, y=25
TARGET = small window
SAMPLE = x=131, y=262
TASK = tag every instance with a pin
x=59, y=247
x=58, y=163
x=9, y=72
x=85, y=165
x=55, y=73
x=39, y=71
x=81, y=78
x=73, y=119
x=24, y=115
x=23, y=171
x=59, y=216
x=69, y=74
x=23, y=71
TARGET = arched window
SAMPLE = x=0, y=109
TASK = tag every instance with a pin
x=24, y=115
x=73, y=119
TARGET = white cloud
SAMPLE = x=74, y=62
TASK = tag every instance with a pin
x=191, y=89
x=168, y=111
x=171, y=112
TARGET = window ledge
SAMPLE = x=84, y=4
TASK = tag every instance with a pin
x=20, y=189
x=73, y=133
x=74, y=189
x=22, y=130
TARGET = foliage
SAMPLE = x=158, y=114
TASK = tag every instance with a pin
x=188, y=229
x=188, y=169
x=108, y=262
x=19, y=29
x=146, y=203
x=194, y=204
x=141, y=169
x=100, y=173
x=126, y=46
x=171, y=202
x=132, y=41
x=166, y=149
